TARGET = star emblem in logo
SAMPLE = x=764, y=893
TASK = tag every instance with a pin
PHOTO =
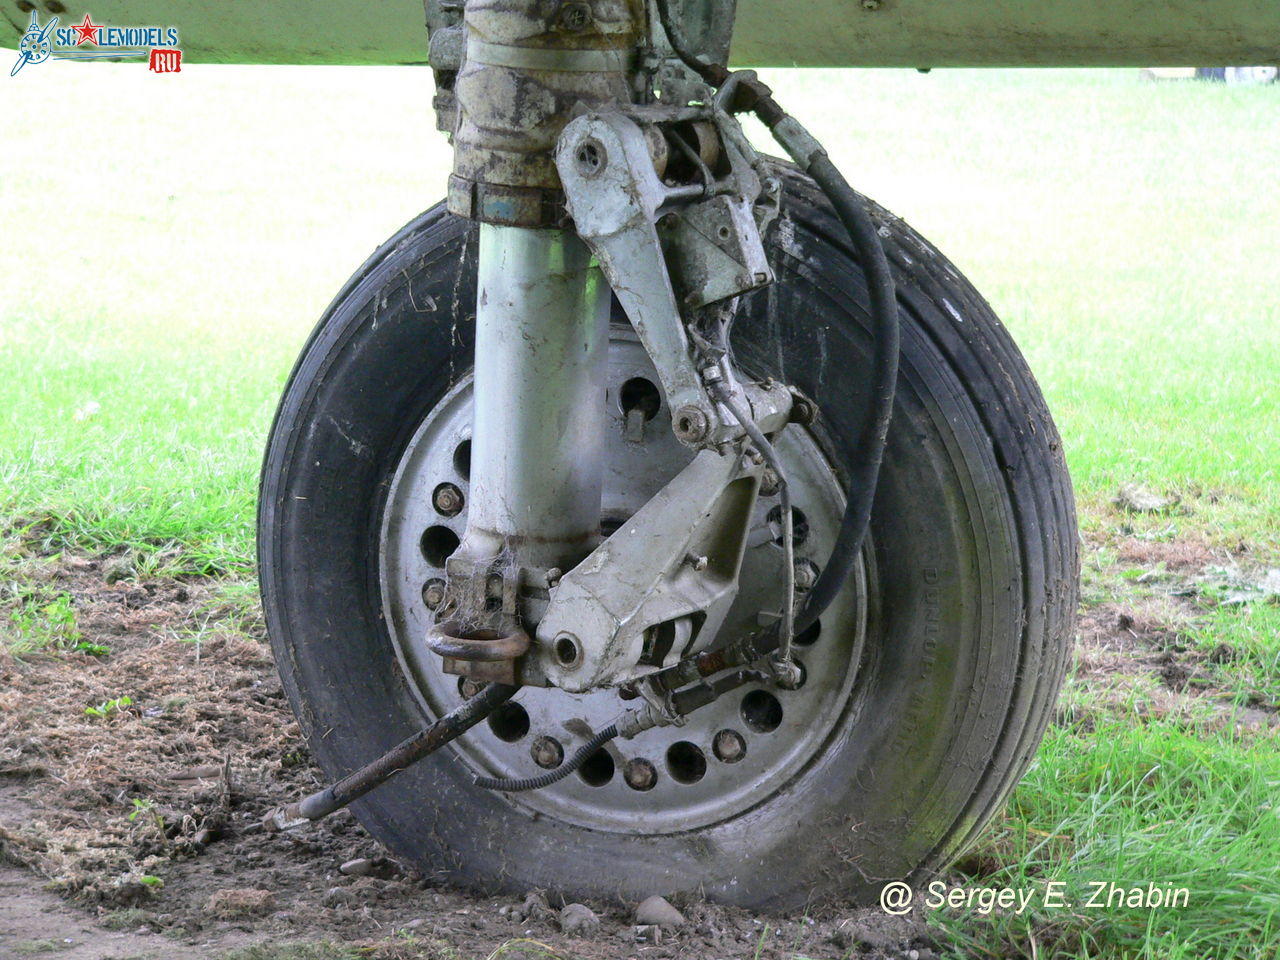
x=88, y=31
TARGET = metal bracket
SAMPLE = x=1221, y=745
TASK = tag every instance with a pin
x=659, y=588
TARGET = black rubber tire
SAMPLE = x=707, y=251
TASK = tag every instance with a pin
x=973, y=544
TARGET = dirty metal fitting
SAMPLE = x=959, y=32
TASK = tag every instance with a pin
x=529, y=66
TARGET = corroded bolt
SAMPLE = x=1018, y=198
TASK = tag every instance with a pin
x=547, y=753
x=469, y=688
x=575, y=17
x=696, y=561
x=806, y=574
x=728, y=746
x=448, y=500
x=640, y=774
x=803, y=410
x=433, y=594
x=690, y=424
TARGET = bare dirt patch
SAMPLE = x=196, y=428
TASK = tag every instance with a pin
x=143, y=817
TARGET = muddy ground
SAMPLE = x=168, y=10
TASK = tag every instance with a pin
x=129, y=829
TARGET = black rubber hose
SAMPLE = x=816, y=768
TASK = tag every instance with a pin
x=583, y=754
x=867, y=452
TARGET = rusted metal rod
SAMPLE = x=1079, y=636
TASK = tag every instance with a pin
x=406, y=753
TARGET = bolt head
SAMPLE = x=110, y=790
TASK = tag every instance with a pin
x=728, y=746
x=447, y=500
x=806, y=574
x=547, y=753
x=433, y=594
x=575, y=17
x=803, y=410
x=640, y=774
x=690, y=424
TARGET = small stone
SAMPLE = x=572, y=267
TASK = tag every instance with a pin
x=336, y=896
x=535, y=907
x=913, y=955
x=413, y=924
x=356, y=868
x=1137, y=499
x=235, y=903
x=577, y=919
x=504, y=911
x=647, y=932
x=657, y=912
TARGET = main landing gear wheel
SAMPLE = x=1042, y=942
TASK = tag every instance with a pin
x=927, y=683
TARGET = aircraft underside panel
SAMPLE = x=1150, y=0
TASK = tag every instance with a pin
x=829, y=33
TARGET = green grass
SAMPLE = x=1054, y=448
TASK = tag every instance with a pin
x=1135, y=803
x=164, y=262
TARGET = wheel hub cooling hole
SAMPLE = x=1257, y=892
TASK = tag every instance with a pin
x=761, y=711
x=598, y=770
x=799, y=525
x=462, y=459
x=686, y=762
x=509, y=722
x=809, y=635
x=437, y=544
x=640, y=394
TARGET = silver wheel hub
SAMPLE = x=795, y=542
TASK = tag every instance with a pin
x=731, y=754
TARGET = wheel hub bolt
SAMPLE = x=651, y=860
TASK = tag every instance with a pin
x=448, y=500
x=433, y=594
x=469, y=688
x=728, y=746
x=640, y=774
x=806, y=574
x=547, y=753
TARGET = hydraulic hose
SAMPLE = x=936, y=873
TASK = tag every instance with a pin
x=866, y=452
x=583, y=754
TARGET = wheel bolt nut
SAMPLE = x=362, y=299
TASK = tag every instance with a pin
x=640, y=774
x=728, y=746
x=448, y=500
x=806, y=574
x=469, y=688
x=433, y=594
x=547, y=753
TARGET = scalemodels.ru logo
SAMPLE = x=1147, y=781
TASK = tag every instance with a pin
x=51, y=42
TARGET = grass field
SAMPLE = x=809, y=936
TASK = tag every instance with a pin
x=169, y=241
